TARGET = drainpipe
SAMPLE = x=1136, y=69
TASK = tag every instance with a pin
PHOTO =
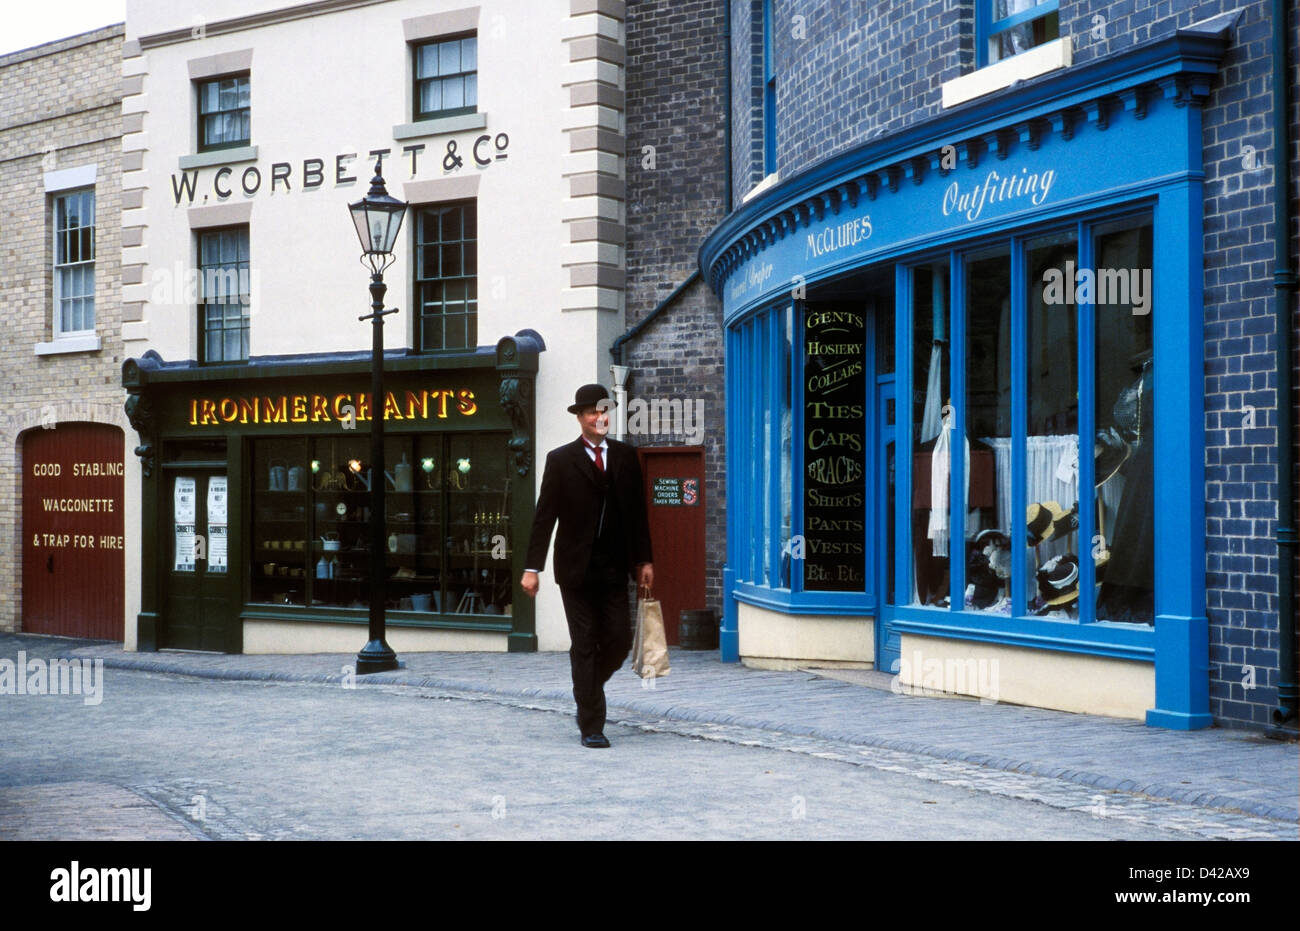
x=620, y=400
x=726, y=115
x=1284, y=285
x=617, y=349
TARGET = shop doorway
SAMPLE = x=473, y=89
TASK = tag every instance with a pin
x=197, y=611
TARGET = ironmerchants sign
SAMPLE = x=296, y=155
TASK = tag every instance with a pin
x=436, y=404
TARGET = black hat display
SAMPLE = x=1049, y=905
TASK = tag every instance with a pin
x=986, y=583
x=589, y=396
x=1058, y=581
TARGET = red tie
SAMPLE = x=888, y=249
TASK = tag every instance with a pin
x=600, y=463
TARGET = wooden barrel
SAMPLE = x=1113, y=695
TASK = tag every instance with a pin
x=697, y=630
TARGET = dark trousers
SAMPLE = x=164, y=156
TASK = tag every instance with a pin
x=601, y=637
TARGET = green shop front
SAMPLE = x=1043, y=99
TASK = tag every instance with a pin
x=256, y=491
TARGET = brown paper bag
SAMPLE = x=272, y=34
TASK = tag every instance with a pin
x=650, y=648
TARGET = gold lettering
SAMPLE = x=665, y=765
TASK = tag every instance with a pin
x=320, y=408
x=466, y=403
x=299, y=412
x=422, y=400
x=391, y=409
x=274, y=413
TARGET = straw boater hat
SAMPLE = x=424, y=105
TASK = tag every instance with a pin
x=1047, y=519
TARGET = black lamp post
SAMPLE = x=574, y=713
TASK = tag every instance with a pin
x=378, y=217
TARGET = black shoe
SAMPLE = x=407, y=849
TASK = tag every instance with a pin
x=594, y=741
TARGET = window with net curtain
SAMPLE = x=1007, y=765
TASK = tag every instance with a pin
x=224, y=113
x=1035, y=22
x=446, y=77
x=224, y=295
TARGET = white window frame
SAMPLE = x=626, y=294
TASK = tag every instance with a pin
x=61, y=183
x=56, y=268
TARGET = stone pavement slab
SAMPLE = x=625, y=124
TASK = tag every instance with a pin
x=1223, y=768
x=83, y=811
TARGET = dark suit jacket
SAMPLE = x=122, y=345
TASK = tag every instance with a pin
x=570, y=495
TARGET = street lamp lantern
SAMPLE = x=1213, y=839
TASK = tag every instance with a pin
x=378, y=218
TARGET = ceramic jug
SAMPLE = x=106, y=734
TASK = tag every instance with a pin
x=278, y=479
x=296, y=475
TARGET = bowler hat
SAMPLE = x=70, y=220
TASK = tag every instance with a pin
x=589, y=396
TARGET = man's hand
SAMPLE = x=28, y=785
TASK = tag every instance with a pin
x=646, y=577
x=529, y=583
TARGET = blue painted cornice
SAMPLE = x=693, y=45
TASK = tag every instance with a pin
x=1179, y=68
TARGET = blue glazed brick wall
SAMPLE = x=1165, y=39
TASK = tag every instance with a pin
x=856, y=70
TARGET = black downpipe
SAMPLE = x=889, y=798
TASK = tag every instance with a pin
x=1284, y=285
x=726, y=136
x=617, y=349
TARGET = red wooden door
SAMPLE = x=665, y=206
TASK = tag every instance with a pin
x=674, y=480
x=73, y=562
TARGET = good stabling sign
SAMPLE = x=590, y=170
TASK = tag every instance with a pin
x=834, y=450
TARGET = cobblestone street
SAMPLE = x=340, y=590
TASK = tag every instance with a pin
x=303, y=759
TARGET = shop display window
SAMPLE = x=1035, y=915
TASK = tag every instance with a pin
x=766, y=553
x=932, y=425
x=447, y=541
x=1086, y=370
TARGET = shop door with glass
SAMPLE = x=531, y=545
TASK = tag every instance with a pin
x=197, y=605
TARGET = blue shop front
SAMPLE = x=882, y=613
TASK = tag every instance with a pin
x=965, y=399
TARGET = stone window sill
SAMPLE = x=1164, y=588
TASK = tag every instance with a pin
x=1047, y=57
x=65, y=344
x=246, y=153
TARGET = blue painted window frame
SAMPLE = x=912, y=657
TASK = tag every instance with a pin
x=1086, y=634
x=754, y=349
x=987, y=29
x=754, y=354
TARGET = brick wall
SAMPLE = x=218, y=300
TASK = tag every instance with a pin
x=852, y=71
x=675, y=101
x=59, y=108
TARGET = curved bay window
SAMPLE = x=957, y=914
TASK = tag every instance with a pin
x=1019, y=350
x=763, y=551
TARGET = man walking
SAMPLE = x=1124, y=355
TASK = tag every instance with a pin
x=593, y=487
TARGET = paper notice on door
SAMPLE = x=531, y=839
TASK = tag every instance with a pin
x=217, y=549
x=217, y=501
x=217, y=561
x=185, y=499
x=183, y=509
